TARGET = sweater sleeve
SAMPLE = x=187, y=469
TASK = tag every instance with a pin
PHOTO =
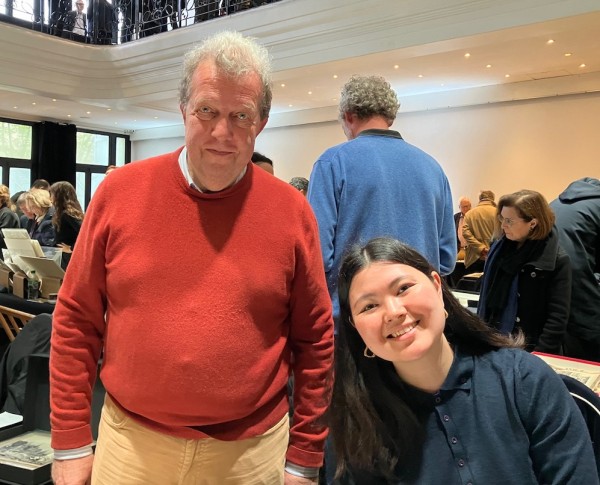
x=323, y=196
x=77, y=334
x=447, y=234
x=559, y=443
x=311, y=340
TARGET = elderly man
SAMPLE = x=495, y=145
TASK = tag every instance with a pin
x=197, y=321
x=376, y=184
x=478, y=231
x=464, y=206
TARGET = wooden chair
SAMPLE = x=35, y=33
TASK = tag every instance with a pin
x=12, y=321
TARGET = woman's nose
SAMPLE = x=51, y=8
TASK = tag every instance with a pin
x=394, y=309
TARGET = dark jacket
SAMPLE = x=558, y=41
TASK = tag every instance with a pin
x=577, y=212
x=44, y=230
x=69, y=230
x=540, y=296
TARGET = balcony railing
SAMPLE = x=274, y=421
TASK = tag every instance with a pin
x=116, y=21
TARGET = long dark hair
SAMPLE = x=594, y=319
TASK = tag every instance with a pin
x=373, y=426
x=64, y=199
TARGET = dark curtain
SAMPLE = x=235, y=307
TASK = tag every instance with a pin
x=54, y=152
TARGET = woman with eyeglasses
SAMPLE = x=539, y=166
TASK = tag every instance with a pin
x=527, y=276
x=427, y=393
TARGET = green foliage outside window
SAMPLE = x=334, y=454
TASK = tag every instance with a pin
x=15, y=140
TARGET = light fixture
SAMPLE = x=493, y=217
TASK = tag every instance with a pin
x=310, y=92
x=282, y=85
x=568, y=54
x=15, y=107
x=507, y=75
x=582, y=65
x=156, y=117
x=33, y=104
x=396, y=66
x=335, y=76
x=88, y=112
x=54, y=100
x=290, y=105
x=488, y=66
x=420, y=75
x=68, y=116
x=550, y=41
x=467, y=55
x=108, y=109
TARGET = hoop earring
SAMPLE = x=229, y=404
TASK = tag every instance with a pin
x=446, y=313
x=366, y=353
x=351, y=322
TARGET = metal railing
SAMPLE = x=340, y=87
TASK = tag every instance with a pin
x=116, y=21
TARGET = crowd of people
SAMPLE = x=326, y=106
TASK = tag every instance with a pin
x=209, y=328
x=51, y=214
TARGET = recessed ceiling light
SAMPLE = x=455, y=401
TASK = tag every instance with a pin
x=15, y=107
x=507, y=75
x=282, y=85
x=420, y=75
x=68, y=116
x=467, y=55
x=396, y=66
x=581, y=65
x=568, y=54
x=108, y=109
x=550, y=41
x=310, y=92
x=88, y=112
x=116, y=123
x=33, y=104
x=333, y=99
x=135, y=120
x=488, y=66
x=54, y=99
x=156, y=117
x=290, y=105
x=335, y=76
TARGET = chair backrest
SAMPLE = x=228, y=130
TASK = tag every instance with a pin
x=588, y=403
x=13, y=321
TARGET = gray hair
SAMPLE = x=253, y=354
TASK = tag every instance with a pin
x=369, y=96
x=234, y=55
x=299, y=183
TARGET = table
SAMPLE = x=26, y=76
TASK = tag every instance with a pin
x=28, y=306
x=584, y=371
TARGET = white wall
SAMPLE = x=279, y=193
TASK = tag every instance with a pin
x=538, y=144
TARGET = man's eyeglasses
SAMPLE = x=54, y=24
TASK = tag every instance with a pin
x=508, y=221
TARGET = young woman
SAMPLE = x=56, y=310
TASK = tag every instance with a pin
x=426, y=393
x=68, y=214
x=527, y=277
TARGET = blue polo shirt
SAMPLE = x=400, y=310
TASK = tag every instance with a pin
x=504, y=417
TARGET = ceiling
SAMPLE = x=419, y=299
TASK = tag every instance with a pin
x=554, y=56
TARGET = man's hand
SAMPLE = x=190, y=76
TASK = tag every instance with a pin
x=290, y=479
x=73, y=472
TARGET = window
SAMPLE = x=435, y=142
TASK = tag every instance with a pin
x=95, y=152
x=15, y=155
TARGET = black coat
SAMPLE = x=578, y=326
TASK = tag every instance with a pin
x=577, y=212
x=539, y=300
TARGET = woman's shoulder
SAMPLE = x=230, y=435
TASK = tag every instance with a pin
x=518, y=360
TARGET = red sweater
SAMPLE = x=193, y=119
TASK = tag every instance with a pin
x=206, y=296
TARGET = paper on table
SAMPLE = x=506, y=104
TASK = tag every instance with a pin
x=8, y=419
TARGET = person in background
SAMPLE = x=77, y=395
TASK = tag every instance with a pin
x=196, y=367
x=376, y=184
x=67, y=219
x=426, y=393
x=263, y=162
x=300, y=183
x=27, y=220
x=478, y=230
x=40, y=184
x=577, y=211
x=109, y=169
x=8, y=218
x=464, y=205
x=527, y=276
x=38, y=202
x=76, y=23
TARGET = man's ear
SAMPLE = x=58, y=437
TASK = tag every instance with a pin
x=183, y=112
x=261, y=125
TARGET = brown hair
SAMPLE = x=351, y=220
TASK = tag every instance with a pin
x=65, y=202
x=530, y=205
x=5, y=197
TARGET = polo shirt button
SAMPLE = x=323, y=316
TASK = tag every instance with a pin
x=446, y=418
x=454, y=440
x=438, y=400
x=517, y=319
x=533, y=275
x=461, y=462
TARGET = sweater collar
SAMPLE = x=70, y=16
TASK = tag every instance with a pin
x=378, y=132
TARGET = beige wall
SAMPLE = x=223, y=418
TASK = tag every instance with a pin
x=538, y=144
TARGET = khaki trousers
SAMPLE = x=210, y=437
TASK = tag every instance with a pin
x=128, y=453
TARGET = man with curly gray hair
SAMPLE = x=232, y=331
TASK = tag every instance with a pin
x=200, y=326
x=376, y=184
